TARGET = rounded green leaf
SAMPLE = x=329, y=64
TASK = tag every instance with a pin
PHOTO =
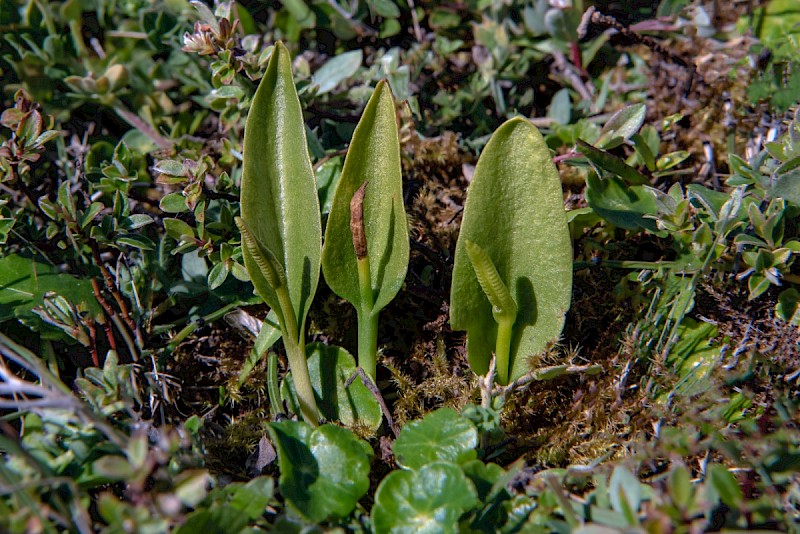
x=621, y=205
x=374, y=155
x=173, y=203
x=279, y=194
x=515, y=213
x=324, y=471
x=442, y=435
x=217, y=275
x=428, y=500
x=329, y=368
x=170, y=167
x=178, y=229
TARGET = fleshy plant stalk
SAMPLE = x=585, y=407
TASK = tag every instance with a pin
x=281, y=236
x=368, y=321
x=366, y=251
x=504, y=309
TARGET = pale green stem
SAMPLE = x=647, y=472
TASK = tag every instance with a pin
x=368, y=343
x=287, y=311
x=367, y=322
x=77, y=38
x=625, y=264
x=505, y=326
x=296, y=353
x=273, y=389
x=295, y=345
x=189, y=328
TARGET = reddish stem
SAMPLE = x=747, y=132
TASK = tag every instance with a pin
x=569, y=155
x=109, y=311
x=93, y=337
x=575, y=56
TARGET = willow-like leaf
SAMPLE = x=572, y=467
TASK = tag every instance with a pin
x=279, y=196
x=374, y=221
x=374, y=156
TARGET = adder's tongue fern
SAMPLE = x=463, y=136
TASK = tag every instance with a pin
x=503, y=305
x=504, y=309
x=269, y=265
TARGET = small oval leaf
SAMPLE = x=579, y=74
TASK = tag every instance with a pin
x=178, y=229
x=217, y=275
x=173, y=203
x=170, y=167
x=336, y=70
x=621, y=126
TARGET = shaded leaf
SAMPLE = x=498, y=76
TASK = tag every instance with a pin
x=787, y=187
x=136, y=241
x=680, y=487
x=329, y=368
x=788, y=305
x=611, y=163
x=300, y=12
x=428, y=500
x=213, y=520
x=625, y=493
x=620, y=204
x=250, y=499
x=723, y=485
x=560, y=108
x=328, y=175
x=324, y=471
x=24, y=282
x=443, y=435
x=178, y=229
